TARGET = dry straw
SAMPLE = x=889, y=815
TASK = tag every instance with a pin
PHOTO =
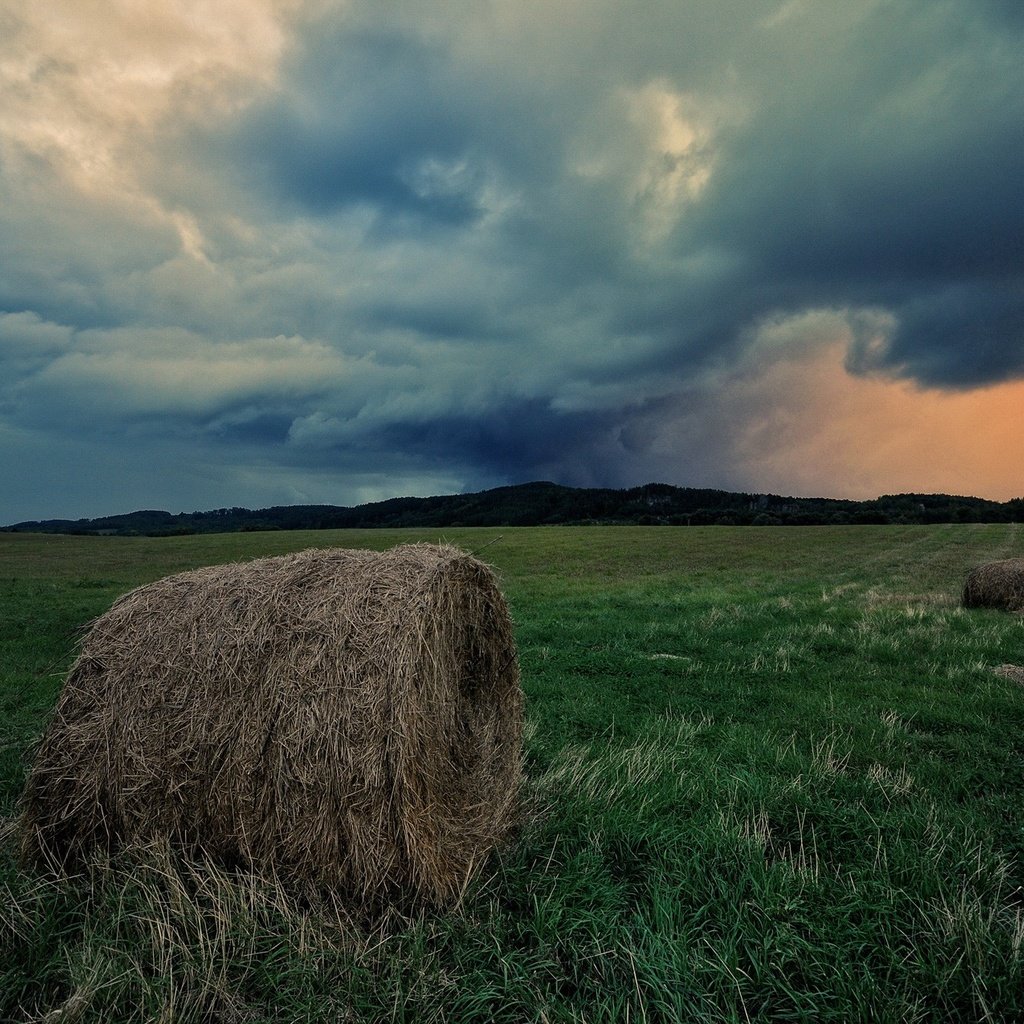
x=996, y=585
x=1015, y=673
x=349, y=719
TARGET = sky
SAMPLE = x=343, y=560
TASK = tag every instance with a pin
x=272, y=252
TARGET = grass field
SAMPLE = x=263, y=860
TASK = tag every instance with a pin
x=771, y=777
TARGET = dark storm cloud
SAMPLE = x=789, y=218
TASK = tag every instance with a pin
x=882, y=169
x=964, y=335
x=894, y=182
x=428, y=248
x=523, y=438
x=1008, y=11
x=384, y=119
x=380, y=108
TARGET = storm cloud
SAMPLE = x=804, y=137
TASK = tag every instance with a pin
x=337, y=251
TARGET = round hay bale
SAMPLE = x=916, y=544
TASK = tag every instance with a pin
x=996, y=585
x=1015, y=673
x=348, y=718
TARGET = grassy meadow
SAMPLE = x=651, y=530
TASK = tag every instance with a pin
x=771, y=776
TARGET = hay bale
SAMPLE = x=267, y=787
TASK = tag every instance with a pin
x=1015, y=673
x=996, y=585
x=348, y=718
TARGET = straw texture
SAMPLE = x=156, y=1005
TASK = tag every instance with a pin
x=996, y=585
x=343, y=717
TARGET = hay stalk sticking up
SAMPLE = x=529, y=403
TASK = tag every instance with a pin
x=346, y=718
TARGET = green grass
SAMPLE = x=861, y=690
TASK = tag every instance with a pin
x=772, y=777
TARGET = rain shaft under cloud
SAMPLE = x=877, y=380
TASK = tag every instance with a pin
x=334, y=252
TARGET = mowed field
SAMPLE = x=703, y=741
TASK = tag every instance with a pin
x=771, y=776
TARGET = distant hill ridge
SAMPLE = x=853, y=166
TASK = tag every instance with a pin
x=544, y=503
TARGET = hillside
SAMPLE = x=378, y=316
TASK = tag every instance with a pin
x=544, y=503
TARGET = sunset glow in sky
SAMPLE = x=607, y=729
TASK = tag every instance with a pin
x=287, y=251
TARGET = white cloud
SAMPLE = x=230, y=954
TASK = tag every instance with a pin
x=27, y=336
x=86, y=83
x=112, y=374
x=680, y=157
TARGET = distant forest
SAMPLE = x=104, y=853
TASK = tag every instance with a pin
x=548, y=504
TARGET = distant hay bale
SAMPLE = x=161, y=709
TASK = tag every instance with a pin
x=1015, y=673
x=996, y=585
x=347, y=718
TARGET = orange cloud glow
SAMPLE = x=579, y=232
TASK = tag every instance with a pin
x=820, y=429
